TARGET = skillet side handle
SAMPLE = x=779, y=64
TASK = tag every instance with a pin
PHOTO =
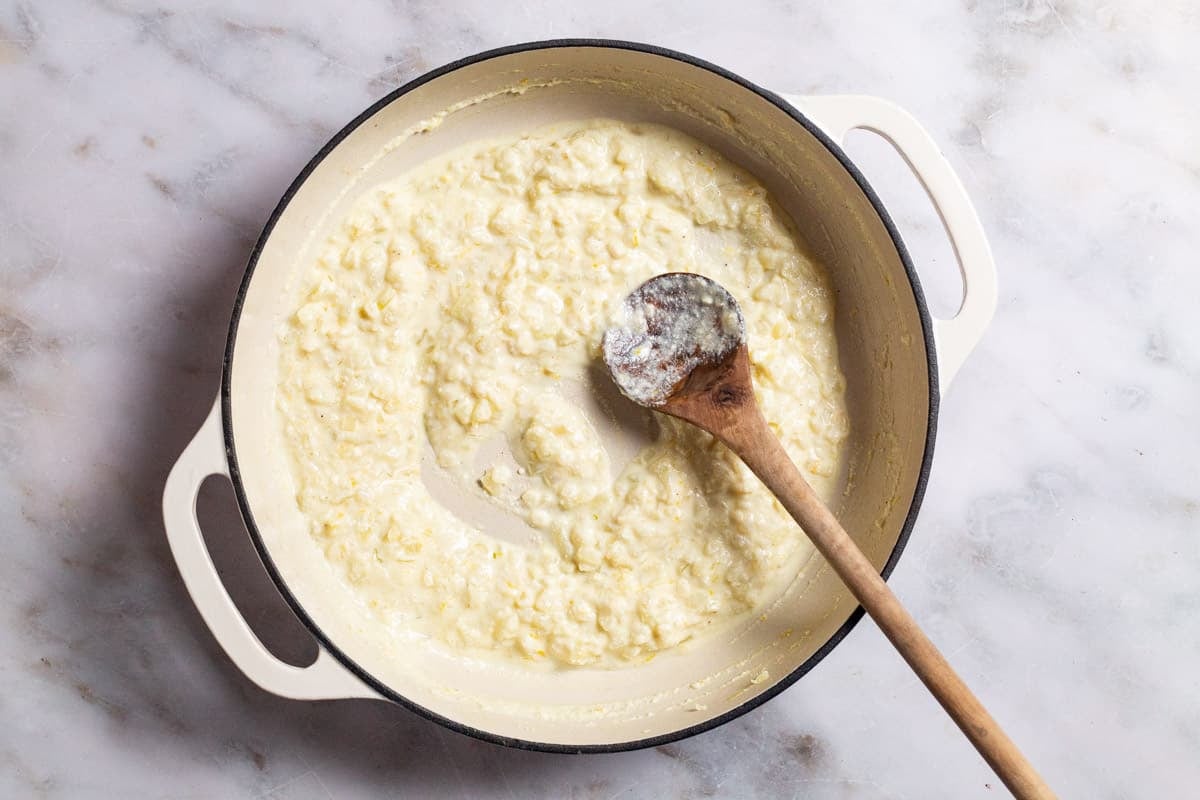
x=325, y=678
x=956, y=337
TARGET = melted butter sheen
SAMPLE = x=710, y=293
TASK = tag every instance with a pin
x=445, y=311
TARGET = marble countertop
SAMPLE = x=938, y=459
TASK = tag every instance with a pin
x=1055, y=561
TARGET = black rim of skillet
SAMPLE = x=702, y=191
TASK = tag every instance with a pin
x=389, y=693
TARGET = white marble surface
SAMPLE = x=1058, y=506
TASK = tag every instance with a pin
x=1056, y=560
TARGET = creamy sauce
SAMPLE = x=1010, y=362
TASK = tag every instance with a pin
x=438, y=332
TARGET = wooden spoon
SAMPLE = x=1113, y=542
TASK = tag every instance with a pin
x=680, y=349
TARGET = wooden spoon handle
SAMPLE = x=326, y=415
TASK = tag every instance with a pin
x=762, y=452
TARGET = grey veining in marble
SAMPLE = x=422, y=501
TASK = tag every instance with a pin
x=1057, y=559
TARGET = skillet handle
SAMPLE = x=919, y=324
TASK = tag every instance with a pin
x=325, y=678
x=956, y=337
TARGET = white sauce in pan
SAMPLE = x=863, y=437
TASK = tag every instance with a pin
x=440, y=325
